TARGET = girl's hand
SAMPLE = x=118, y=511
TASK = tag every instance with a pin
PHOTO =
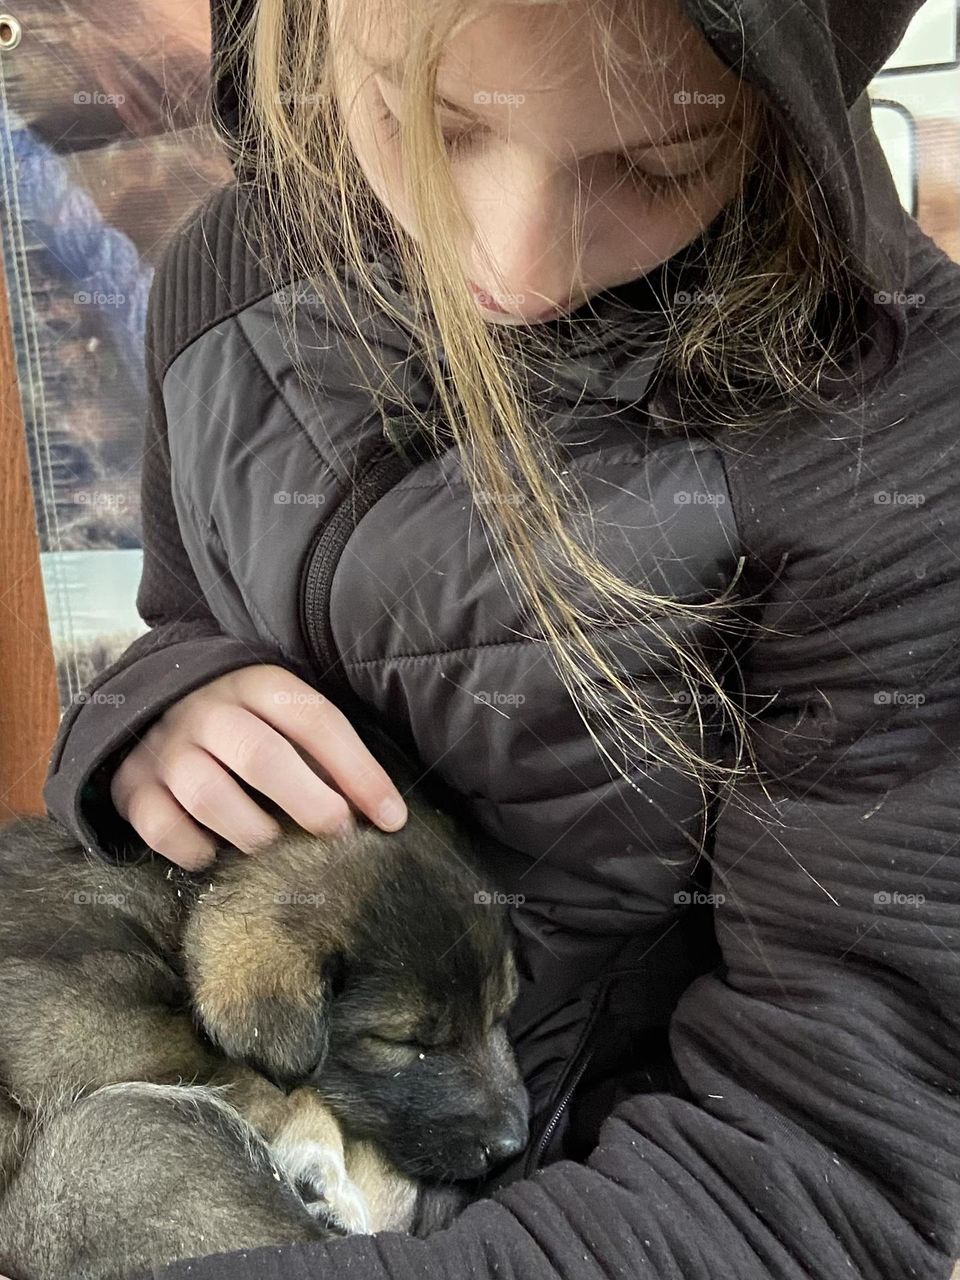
x=175, y=790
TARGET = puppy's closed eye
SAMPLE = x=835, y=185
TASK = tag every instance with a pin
x=391, y=1052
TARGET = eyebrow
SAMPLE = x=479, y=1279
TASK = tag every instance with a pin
x=390, y=71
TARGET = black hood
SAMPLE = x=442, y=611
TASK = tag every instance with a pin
x=814, y=60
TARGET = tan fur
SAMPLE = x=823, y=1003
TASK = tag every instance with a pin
x=235, y=969
x=391, y=1196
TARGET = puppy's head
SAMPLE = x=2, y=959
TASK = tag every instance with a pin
x=376, y=969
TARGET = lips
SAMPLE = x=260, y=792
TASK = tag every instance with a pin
x=486, y=300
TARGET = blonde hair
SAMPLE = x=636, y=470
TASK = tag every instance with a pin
x=778, y=322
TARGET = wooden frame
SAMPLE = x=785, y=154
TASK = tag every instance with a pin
x=29, y=698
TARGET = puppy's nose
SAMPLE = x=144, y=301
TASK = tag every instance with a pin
x=508, y=1141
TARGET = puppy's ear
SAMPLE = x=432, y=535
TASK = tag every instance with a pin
x=260, y=993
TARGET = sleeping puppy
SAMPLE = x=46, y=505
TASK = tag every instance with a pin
x=293, y=1045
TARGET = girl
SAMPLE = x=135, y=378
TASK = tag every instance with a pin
x=565, y=381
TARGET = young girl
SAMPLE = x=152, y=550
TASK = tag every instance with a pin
x=565, y=382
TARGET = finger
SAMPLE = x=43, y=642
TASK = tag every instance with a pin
x=312, y=721
x=254, y=750
x=168, y=829
x=207, y=792
x=124, y=781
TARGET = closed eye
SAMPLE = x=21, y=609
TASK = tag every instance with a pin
x=628, y=168
x=416, y=1046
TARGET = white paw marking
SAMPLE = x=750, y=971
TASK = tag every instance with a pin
x=322, y=1170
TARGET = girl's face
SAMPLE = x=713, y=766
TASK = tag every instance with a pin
x=570, y=188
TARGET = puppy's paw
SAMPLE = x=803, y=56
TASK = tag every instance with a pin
x=341, y=1203
x=309, y=1149
x=390, y=1194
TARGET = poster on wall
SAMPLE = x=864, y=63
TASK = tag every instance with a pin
x=104, y=149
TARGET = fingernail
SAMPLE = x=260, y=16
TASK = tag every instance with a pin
x=391, y=813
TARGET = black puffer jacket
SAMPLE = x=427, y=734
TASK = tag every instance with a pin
x=762, y=1088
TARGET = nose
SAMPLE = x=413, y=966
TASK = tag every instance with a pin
x=508, y=1141
x=530, y=263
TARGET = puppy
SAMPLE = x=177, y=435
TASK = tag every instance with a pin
x=293, y=1045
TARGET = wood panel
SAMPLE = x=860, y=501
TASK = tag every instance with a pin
x=29, y=701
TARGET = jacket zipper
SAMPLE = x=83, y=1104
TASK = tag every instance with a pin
x=554, y=1120
x=381, y=471
x=569, y=1081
